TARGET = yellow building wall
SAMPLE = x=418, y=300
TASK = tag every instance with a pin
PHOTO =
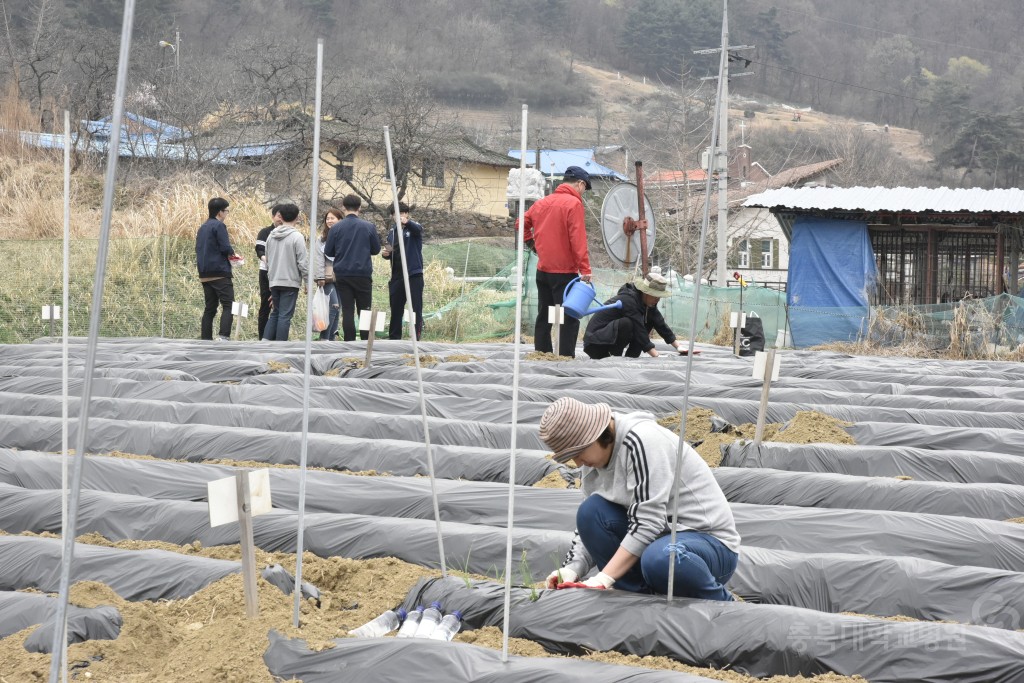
x=479, y=188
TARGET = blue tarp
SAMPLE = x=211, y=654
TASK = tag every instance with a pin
x=831, y=265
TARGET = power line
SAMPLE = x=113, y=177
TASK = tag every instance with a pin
x=1002, y=53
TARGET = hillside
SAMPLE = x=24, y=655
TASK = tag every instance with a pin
x=627, y=103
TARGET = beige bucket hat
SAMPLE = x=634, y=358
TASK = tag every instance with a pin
x=654, y=284
x=568, y=426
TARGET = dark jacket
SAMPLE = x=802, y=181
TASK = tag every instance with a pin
x=351, y=242
x=413, y=249
x=213, y=249
x=645, y=319
x=261, y=244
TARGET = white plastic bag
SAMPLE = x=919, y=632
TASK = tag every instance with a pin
x=321, y=310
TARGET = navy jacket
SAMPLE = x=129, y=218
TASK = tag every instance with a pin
x=413, y=250
x=351, y=243
x=645, y=318
x=213, y=249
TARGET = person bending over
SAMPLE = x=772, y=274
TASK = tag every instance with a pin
x=628, y=329
x=627, y=463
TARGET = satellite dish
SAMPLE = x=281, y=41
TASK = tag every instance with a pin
x=619, y=204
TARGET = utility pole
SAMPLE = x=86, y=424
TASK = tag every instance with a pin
x=723, y=157
x=177, y=50
x=721, y=151
x=537, y=159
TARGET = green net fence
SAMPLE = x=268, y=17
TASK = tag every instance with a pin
x=151, y=290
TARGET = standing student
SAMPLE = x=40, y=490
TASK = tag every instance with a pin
x=213, y=249
x=261, y=254
x=323, y=272
x=557, y=226
x=413, y=237
x=623, y=525
x=287, y=267
x=352, y=243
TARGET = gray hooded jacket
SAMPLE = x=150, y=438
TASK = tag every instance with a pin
x=639, y=477
x=287, y=261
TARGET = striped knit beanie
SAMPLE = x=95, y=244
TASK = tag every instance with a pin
x=568, y=426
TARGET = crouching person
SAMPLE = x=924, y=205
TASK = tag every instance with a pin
x=623, y=524
x=628, y=329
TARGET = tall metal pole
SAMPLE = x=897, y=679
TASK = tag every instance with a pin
x=177, y=50
x=693, y=329
x=163, y=280
x=64, y=355
x=520, y=274
x=415, y=349
x=458, y=311
x=59, y=645
x=313, y=223
x=64, y=323
x=722, y=156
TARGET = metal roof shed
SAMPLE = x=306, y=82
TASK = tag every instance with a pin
x=931, y=245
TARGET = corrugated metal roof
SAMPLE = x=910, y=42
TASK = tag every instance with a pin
x=896, y=199
x=147, y=147
x=553, y=162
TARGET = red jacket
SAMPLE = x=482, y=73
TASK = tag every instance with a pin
x=559, y=233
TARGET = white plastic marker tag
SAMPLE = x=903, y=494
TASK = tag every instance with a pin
x=551, y=315
x=51, y=312
x=238, y=308
x=364, y=321
x=406, y=318
x=223, y=497
x=760, y=358
x=736, y=321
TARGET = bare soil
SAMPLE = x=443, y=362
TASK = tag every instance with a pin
x=805, y=427
x=207, y=637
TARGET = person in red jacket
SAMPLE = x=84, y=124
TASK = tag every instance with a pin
x=557, y=227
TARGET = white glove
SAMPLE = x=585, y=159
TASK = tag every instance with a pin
x=601, y=580
x=563, y=575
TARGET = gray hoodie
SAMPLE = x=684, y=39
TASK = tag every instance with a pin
x=287, y=261
x=639, y=477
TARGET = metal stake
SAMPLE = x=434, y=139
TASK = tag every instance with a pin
x=304, y=450
x=59, y=645
x=520, y=277
x=415, y=351
x=693, y=326
x=64, y=355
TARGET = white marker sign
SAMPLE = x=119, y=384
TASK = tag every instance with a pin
x=238, y=308
x=551, y=315
x=364, y=321
x=737, y=320
x=223, y=497
x=760, y=360
x=51, y=312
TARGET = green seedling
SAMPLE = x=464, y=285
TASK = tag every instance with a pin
x=527, y=577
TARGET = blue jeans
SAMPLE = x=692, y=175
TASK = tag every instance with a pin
x=703, y=563
x=280, y=321
x=332, y=324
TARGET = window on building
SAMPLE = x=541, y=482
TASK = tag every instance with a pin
x=346, y=161
x=766, y=254
x=743, y=248
x=433, y=173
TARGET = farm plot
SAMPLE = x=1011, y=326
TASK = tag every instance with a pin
x=890, y=558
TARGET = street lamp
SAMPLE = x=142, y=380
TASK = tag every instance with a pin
x=175, y=48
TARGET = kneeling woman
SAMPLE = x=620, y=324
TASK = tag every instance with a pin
x=623, y=525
